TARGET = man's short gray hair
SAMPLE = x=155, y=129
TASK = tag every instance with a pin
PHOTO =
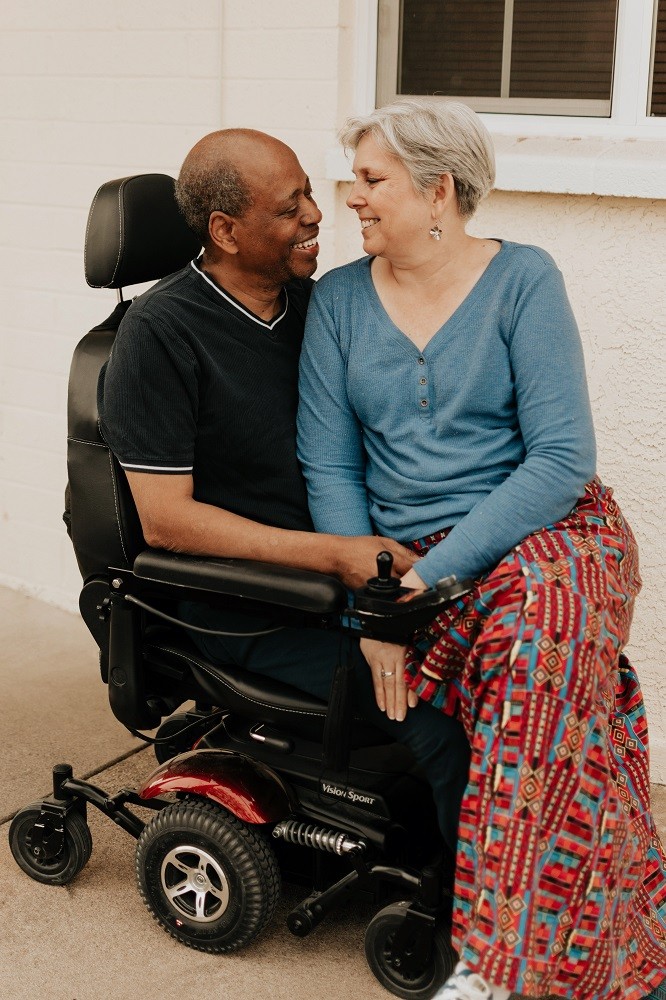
x=432, y=137
x=210, y=185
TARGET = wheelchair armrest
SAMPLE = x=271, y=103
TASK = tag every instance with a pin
x=283, y=586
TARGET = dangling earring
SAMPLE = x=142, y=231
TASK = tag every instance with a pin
x=435, y=232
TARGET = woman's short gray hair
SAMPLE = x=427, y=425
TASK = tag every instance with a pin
x=432, y=137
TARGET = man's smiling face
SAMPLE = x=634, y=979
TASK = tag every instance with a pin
x=277, y=234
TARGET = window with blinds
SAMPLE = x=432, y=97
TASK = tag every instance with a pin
x=516, y=56
x=658, y=75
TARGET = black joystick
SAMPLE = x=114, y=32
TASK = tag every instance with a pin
x=384, y=583
x=385, y=610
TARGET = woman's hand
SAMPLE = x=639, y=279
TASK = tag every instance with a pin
x=412, y=580
x=387, y=665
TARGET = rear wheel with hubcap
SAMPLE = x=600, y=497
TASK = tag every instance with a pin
x=210, y=880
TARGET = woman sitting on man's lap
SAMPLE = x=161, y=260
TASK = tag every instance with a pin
x=444, y=403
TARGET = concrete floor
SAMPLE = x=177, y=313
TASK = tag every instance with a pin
x=94, y=939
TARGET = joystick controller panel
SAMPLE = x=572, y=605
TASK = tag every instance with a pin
x=383, y=609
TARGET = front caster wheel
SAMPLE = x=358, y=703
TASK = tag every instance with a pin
x=404, y=970
x=46, y=851
x=211, y=881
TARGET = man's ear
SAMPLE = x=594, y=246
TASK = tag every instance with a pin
x=222, y=231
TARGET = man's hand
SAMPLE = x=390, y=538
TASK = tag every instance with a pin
x=387, y=664
x=172, y=519
x=358, y=558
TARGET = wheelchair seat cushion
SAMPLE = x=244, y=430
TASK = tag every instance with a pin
x=250, y=695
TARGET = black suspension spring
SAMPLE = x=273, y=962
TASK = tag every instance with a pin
x=318, y=837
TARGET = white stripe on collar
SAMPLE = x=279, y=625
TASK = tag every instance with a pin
x=237, y=305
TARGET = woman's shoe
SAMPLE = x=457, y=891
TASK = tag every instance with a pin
x=659, y=993
x=464, y=985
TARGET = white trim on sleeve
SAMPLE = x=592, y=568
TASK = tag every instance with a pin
x=156, y=468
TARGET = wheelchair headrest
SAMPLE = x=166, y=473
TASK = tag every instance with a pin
x=136, y=233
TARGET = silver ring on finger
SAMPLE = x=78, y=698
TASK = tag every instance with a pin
x=388, y=673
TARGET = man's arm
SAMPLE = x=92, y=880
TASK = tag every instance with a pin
x=172, y=519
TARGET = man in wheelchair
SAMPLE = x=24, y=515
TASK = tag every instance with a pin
x=285, y=756
x=198, y=403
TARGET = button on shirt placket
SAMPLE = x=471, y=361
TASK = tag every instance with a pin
x=423, y=392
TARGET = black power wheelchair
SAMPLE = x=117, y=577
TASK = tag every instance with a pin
x=258, y=780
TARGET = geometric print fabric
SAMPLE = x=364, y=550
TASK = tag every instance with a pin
x=560, y=875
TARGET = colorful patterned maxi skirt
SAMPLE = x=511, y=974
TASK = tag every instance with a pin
x=561, y=878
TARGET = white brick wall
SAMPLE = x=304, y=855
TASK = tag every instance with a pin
x=280, y=65
x=92, y=91
x=89, y=91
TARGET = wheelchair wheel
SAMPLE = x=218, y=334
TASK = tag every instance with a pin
x=401, y=972
x=211, y=881
x=37, y=857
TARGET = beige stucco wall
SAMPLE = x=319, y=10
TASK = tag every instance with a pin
x=611, y=252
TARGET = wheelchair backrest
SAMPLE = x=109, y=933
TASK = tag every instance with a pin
x=135, y=233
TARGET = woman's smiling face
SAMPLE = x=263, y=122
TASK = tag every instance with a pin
x=392, y=213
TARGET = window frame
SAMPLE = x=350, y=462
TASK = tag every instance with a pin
x=653, y=56
x=629, y=114
x=388, y=69
x=621, y=156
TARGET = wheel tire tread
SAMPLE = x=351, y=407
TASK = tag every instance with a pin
x=262, y=879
